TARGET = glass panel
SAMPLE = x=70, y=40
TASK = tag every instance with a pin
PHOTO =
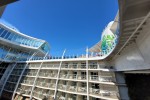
x=8, y=34
x=1, y=31
x=14, y=38
x=18, y=39
x=11, y=36
x=45, y=47
x=4, y=33
x=28, y=42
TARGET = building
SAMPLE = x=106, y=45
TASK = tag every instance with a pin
x=115, y=68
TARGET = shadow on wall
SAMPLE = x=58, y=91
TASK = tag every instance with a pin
x=138, y=86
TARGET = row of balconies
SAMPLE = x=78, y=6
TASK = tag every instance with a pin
x=51, y=75
x=30, y=82
x=75, y=77
x=16, y=72
x=104, y=93
x=71, y=66
x=9, y=87
x=46, y=85
x=41, y=95
x=72, y=88
x=92, y=92
x=68, y=89
x=24, y=91
x=30, y=73
x=20, y=66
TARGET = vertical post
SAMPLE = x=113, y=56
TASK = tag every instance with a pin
x=87, y=74
x=37, y=76
x=58, y=75
x=7, y=78
x=21, y=76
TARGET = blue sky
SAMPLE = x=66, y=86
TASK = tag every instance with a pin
x=70, y=24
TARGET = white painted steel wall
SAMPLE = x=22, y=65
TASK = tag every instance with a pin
x=136, y=56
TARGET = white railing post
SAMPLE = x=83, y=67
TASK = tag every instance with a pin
x=21, y=76
x=87, y=75
x=58, y=75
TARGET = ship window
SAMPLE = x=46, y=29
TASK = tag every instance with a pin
x=1, y=31
x=4, y=33
x=8, y=34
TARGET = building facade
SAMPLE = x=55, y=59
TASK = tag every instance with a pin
x=112, y=69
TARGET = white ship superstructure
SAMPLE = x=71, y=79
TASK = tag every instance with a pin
x=109, y=70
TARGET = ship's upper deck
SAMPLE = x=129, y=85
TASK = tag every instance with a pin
x=13, y=38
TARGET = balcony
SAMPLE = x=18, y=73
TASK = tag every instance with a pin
x=9, y=88
x=30, y=82
x=24, y=91
x=38, y=94
x=101, y=78
x=104, y=93
x=99, y=66
x=16, y=72
x=42, y=95
x=73, y=76
x=82, y=89
x=20, y=67
x=30, y=74
x=61, y=98
x=34, y=66
x=13, y=80
x=52, y=75
x=62, y=86
x=50, y=66
x=72, y=88
x=46, y=85
x=72, y=66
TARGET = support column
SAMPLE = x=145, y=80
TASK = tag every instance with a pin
x=87, y=74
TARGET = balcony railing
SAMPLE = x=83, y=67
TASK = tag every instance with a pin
x=72, y=66
x=19, y=67
x=102, y=54
x=104, y=93
x=13, y=79
x=30, y=82
x=53, y=66
x=72, y=76
x=24, y=91
x=45, y=84
x=40, y=95
x=16, y=73
x=82, y=89
x=62, y=86
x=53, y=75
x=101, y=78
x=9, y=88
x=30, y=73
